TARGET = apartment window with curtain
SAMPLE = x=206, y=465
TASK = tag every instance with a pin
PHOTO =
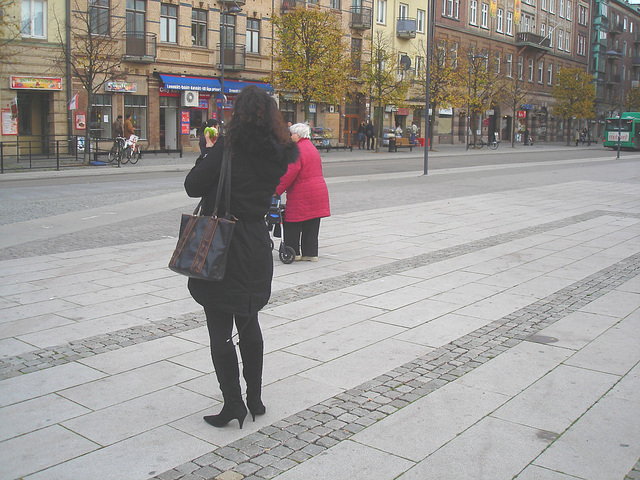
x=420, y=16
x=451, y=8
x=473, y=14
x=550, y=36
x=560, y=39
x=581, y=46
x=543, y=30
x=509, y=71
x=540, y=72
x=34, y=18
x=569, y=7
x=531, y=69
x=403, y=11
x=550, y=74
x=567, y=42
x=485, y=15
x=499, y=20
x=199, y=27
x=582, y=15
x=168, y=23
x=509, y=23
x=552, y=6
x=520, y=67
x=99, y=17
x=253, y=35
x=561, y=8
x=381, y=12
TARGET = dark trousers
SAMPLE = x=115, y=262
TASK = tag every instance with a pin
x=370, y=143
x=303, y=234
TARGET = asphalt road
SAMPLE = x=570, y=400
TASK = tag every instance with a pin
x=71, y=212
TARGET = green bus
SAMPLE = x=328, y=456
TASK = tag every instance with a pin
x=629, y=131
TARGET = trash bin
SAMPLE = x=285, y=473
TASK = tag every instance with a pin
x=421, y=142
x=392, y=145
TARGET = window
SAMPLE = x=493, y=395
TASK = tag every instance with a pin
x=136, y=105
x=497, y=62
x=552, y=6
x=136, y=18
x=543, y=5
x=99, y=17
x=454, y=55
x=561, y=8
x=101, y=116
x=568, y=16
x=531, y=69
x=540, y=72
x=509, y=71
x=356, y=54
x=34, y=18
x=550, y=36
x=334, y=4
x=451, y=8
x=550, y=74
x=581, y=46
x=403, y=11
x=168, y=23
x=624, y=48
x=485, y=15
x=420, y=15
x=499, y=20
x=560, y=38
x=525, y=23
x=381, y=14
x=604, y=9
x=229, y=38
x=509, y=23
x=543, y=29
x=582, y=15
x=473, y=17
x=199, y=27
x=253, y=35
x=625, y=24
x=567, y=42
x=520, y=67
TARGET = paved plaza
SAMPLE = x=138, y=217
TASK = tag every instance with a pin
x=485, y=335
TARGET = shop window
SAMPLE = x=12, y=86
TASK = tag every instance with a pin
x=288, y=110
x=99, y=17
x=34, y=19
x=197, y=119
x=101, y=118
x=136, y=105
x=168, y=23
x=199, y=27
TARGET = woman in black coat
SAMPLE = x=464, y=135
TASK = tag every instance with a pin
x=261, y=151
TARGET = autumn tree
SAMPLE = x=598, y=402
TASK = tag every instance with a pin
x=94, y=54
x=382, y=75
x=632, y=101
x=516, y=92
x=10, y=32
x=482, y=84
x=313, y=56
x=575, y=96
x=442, y=79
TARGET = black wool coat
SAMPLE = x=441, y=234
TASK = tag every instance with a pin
x=257, y=163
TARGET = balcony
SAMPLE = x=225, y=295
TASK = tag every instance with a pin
x=636, y=37
x=635, y=62
x=291, y=5
x=531, y=40
x=361, y=18
x=406, y=28
x=613, y=80
x=234, y=57
x=140, y=47
x=615, y=28
x=229, y=3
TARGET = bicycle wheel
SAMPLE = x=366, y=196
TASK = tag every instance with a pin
x=493, y=145
x=112, y=155
x=135, y=156
x=126, y=155
x=479, y=143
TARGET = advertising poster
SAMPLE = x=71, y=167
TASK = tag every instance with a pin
x=185, y=118
x=9, y=123
x=81, y=120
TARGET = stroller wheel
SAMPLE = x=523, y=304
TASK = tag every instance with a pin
x=271, y=242
x=287, y=254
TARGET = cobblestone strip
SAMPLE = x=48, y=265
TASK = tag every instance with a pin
x=293, y=440
x=61, y=354
x=634, y=474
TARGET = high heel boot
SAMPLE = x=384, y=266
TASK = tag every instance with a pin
x=252, y=361
x=228, y=374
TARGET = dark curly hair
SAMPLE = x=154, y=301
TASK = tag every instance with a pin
x=255, y=112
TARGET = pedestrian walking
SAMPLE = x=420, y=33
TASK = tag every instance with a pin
x=370, y=132
x=307, y=197
x=361, y=136
x=261, y=150
x=128, y=127
x=414, y=132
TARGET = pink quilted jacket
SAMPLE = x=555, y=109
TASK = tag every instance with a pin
x=307, y=194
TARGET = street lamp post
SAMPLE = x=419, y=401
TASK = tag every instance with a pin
x=427, y=129
x=613, y=53
x=223, y=44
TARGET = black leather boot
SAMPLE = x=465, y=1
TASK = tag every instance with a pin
x=228, y=374
x=252, y=361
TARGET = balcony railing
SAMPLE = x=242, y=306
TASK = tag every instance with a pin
x=528, y=39
x=613, y=80
x=361, y=18
x=615, y=28
x=140, y=47
x=635, y=61
x=290, y=5
x=229, y=3
x=234, y=57
x=406, y=28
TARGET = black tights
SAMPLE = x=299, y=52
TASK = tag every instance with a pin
x=220, y=325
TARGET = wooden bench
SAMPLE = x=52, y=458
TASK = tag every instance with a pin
x=334, y=147
x=403, y=143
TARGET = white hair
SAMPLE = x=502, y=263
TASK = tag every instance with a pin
x=301, y=129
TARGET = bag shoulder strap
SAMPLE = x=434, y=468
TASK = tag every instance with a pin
x=224, y=181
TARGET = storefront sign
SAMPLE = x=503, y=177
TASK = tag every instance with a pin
x=185, y=120
x=9, y=124
x=402, y=111
x=81, y=120
x=312, y=108
x=168, y=93
x=522, y=114
x=127, y=87
x=35, y=83
x=444, y=111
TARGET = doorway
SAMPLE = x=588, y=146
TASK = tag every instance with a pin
x=351, y=124
x=168, y=123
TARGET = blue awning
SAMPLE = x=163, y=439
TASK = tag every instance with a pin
x=234, y=86
x=198, y=84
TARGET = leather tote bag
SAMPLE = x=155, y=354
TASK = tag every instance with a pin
x=204, y=241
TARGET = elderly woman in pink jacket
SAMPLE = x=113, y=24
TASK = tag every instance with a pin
x=307, y=197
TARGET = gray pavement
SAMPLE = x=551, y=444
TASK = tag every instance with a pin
x=486, y=333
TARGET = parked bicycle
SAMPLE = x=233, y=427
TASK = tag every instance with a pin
x=125, y=150
x=117, y=151
x=479, y=143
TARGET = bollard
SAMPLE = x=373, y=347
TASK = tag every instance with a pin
x=58, y=155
